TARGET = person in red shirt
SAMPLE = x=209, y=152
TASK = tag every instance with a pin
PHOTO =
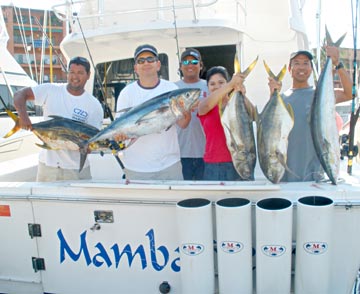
x=217, y=158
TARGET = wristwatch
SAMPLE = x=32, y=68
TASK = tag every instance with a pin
x=340, y=65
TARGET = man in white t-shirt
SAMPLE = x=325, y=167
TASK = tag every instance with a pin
x=154, y=156
x=69, y=100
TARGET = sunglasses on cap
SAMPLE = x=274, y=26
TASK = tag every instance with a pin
x=187, y=62
x=149, y=59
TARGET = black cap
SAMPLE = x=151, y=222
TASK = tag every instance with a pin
x=301, y=52
x=80, y=61
x=191, y=52
x=145, y=48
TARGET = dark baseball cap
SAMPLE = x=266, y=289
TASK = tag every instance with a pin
x=80, y=61
x=145, y=48
x=191, y=52
x=301, y=52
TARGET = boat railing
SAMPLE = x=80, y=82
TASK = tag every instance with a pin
x=95, y=13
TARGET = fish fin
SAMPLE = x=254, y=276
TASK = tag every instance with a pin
x=83, y=148
x=247, y=71
x=256, y=116
x=282, y=160
x=13, y=130
x=290, y=110
x=280, y=75
x=124, y=110
x=268, y=70
x=14, y=117
x=237, y=67
x=250, y=109
x=129, y=142
x=329, y=40
x=45, y=146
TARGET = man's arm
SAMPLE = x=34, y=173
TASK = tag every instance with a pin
x=20, y=98
x=344, y=93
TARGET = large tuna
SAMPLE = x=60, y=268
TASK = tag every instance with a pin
x=152, y=116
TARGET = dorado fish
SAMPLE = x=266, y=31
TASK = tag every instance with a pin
x=237, y=121
x=273, y=127
x=152, y=116
x=323, y=122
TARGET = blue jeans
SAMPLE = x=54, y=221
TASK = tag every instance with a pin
x=193, y=169
x=222, y=171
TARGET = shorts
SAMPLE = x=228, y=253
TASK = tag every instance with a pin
x=51, y=174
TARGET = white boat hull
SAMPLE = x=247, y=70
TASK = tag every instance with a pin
x=136, y=237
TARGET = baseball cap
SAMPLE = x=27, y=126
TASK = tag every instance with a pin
x=80, y=61
x=145, y=48
x=191, y=52
x=301, y=52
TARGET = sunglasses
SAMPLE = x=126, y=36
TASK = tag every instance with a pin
x=149, y=59
x=187, y=62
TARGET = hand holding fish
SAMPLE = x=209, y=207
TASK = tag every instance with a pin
x=237, y=81
x=185, y=120
x=274, y=85
x=333, y=53
x=25, y=122
x=120, y=137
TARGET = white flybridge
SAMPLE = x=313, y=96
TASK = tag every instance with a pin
x=112, y=236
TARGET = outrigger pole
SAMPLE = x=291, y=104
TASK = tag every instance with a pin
x=354, y=115
x=51, y=44
x=114, y=146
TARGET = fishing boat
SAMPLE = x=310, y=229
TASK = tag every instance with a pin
x=109, y=235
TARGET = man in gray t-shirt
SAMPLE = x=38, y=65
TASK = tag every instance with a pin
x=192, y=138
x=302, y=159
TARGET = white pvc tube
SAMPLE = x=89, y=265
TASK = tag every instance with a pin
x=234, y=246
x=273, y=245
x=346, y=229
x=195, y=236
x=313, y=244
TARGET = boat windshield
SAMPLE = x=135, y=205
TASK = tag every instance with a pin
x=6, y=96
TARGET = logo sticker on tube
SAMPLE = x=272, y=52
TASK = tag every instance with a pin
x=231, y=246
x=273, y=250
x=315, y=247
x=5, y=210
x=192, y=249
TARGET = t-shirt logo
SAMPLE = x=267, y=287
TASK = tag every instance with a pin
x=79, y=115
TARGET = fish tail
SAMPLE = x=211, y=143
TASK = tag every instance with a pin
x=17, y=123
x=14, y=117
